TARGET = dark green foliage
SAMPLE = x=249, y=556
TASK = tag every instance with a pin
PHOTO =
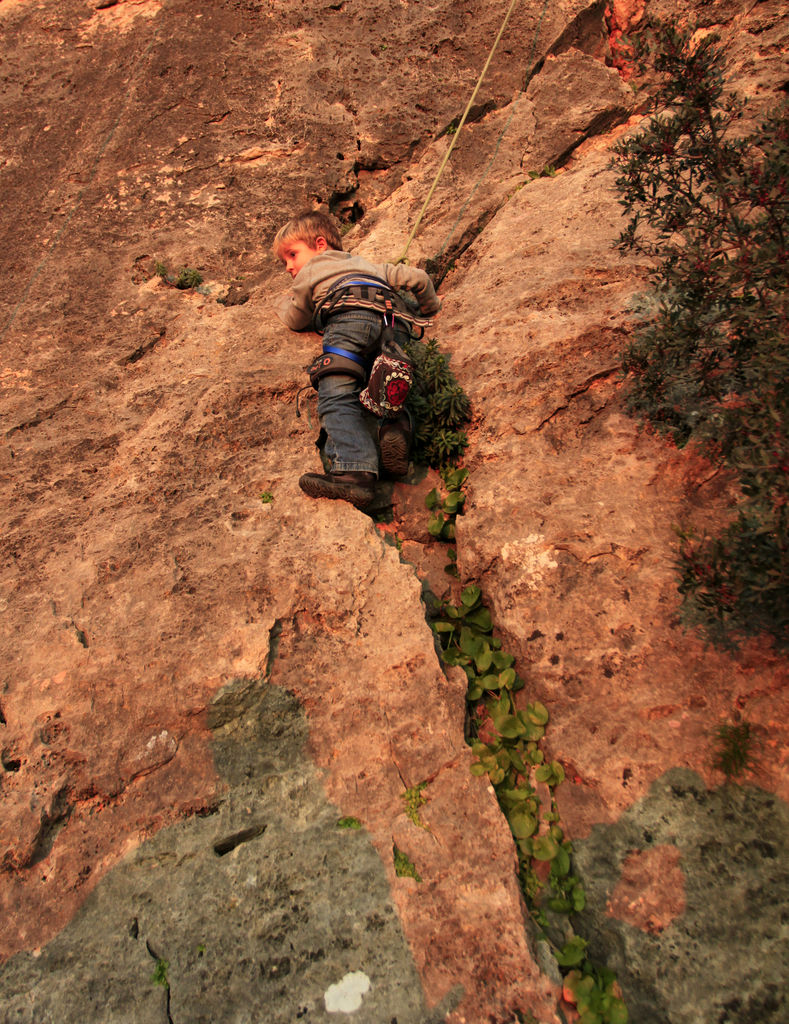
x=709, y=205
x=733, y=749
x=439, y=405
x=185, y=279
x=404, y=866
x=188, y=277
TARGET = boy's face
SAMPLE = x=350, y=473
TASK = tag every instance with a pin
x=297, y=254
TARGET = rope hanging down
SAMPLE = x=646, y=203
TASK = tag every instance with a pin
x=502, y=133
x=457, y=133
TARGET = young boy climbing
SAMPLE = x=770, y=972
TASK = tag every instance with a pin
x=348, y=298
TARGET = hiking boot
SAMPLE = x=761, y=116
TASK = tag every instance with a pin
x=394, y=438
x=357, y=488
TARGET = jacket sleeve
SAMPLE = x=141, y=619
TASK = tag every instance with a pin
x=294, y=314
x=417, y=281
x=296, y=309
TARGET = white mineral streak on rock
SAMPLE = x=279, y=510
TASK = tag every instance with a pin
x=346, y=996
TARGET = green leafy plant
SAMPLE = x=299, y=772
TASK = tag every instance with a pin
x=159, y=976
x=349, y=822
x=708, y=204
x=439, y=406
x=445, y=509
x=414, y=798
x=734, y=749
x=404, y=866
x=506, y=740
x=185, y=279
x=266, y=497
x=596, y=995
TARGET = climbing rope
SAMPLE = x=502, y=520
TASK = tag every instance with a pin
x=502, y=133
x=456, y=136
x=463, y=121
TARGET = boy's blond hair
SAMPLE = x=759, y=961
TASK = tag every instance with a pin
x=308, y=227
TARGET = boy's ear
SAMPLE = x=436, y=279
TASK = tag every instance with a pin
x=321, y=245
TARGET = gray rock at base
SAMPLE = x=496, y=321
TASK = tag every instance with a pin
x=725, y=960
x=257, y=908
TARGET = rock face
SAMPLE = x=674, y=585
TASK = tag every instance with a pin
x=679, y=848
x=257, y=910
x=197, y=684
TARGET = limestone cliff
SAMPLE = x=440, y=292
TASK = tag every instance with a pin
x=198, y=684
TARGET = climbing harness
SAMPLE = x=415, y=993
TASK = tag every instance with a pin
x=390, y=377
x=332, y=361
x=370, y=293
x=337, y=360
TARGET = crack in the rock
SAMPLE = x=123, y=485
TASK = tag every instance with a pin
x=50, y=825
x=38, y=419
x=586, y=32
x=80, y=634
x=599, y=125
x=274, y=635
x=165, y=981
x=584, y=560
x=142, y=350
x=580, y=390
x=439, y=266
x=476, y=113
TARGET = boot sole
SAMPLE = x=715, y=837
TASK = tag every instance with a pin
x=394, y=453
x=316, y=487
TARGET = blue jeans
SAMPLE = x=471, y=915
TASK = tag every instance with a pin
x=351, y=429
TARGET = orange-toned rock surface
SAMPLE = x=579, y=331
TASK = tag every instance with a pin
x=197, y=684
x=650, y=894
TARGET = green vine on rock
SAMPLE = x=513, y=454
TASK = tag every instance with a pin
x=505, y=738
x=506, y=741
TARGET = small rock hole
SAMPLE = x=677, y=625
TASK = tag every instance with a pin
x=229, y=843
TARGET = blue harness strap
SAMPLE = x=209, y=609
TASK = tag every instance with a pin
x=344, y=352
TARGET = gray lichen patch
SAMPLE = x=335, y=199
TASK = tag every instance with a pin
x=257, y=909
x=722, y=954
